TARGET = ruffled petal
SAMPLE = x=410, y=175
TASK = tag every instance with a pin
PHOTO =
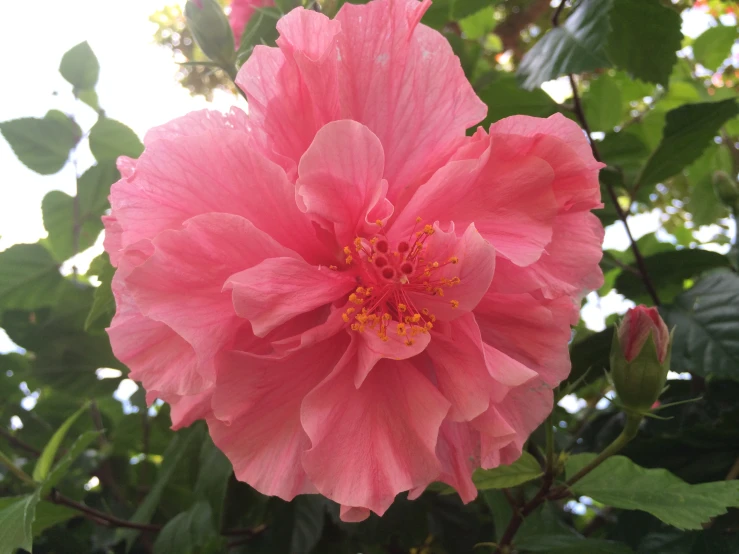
x=256, y=419
x=456, y=352
x=178, y=179
x=186, y=410
x=570, y=265
x=530, y=331
x=181, y=284
x=403, y=81
x=278, y=289
x=371, y=443
x=507, y=194
x=340, y=180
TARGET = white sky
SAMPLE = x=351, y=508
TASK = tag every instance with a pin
x=137, y=87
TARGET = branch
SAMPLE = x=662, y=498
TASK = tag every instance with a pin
x=622, y=215
x=12, y=439
x=101, y=518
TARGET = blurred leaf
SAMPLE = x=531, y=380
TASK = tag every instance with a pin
x=706, y=321
x=62, y=466
x=574, y=47
x=179, y=444
x=525, y=469
x=479, y=24
x=29, y=277
x=620, y=483
x=47, y=514
x=260, y=29
x=443, y=11
x=710, y=541
x=704, y=205
x=43, y=465
x=603, y=104
x=80, y=67
x=687, y=134
x=42, y=145
x=110, y=138
x=639, y=27
x=190, y=532
x=714, y=46
x=16, y=524
x=213, y=476
x=667, y=271
x=505, y=98
x=590, y=354
x=103, y=306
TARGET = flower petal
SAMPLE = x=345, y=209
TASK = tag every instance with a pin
x=371, y=443
x=340, y=179
x=175, y=180
x=533, y=332
x=256, y=418
x=278, y=289
x=506, y=194
x=181, y=283
x=403, y=81
x=456, y=352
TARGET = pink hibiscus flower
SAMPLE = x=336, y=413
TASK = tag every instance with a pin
x=358, y=298
x=241, y=12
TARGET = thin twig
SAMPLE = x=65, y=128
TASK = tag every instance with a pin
x=12, y=439
x=101, y=517
x=622, y=215
x=557, y=13
x=733, y=472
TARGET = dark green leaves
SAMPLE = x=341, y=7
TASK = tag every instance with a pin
x=110, y=138
x=80, y=67
x=525, y=469
x=43, y=145
x=714, y=46
x=577, y=45
x=505, y=98
x=190, y=532
x=620, y=483
x=687, y=134
x=603, y=104
x=103, y=306
x=645, y=36
x=706, y=321
x=29, y=277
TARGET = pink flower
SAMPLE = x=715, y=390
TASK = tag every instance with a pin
x=241, y=12
x=638, y=324
x=315, y=279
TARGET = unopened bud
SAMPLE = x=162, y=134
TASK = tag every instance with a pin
x=726, y=189
x=640, y=358
x=209, y=25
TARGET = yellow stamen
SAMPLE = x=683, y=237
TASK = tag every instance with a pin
x=349, y=260
x=401, y=328
x=454, y=260
x=455, y=303
x=378, y=223
x=402, y=307
x=347, y=251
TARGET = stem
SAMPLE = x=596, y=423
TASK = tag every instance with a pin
x=633, y=420
x=101, y=517
x=15, y=470
x=12, y=439
x=622, y=215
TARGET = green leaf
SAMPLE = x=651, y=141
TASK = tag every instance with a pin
x=620, y=483
x=60, y=469
x=603, y=104
x=171, y=458
x=188, y=532
x=42, y=145
x=110, y=138
x=43, y=465
x=47, y=514
x=80, y=67
x=688, y=132
x=29, y=277
x=574, y=47
x=214, y=473
x=63, y=220
x=505, y=98
x=667, y=271
x=579, y=545
x=714, y=46
x=442, y=12
x=16, y=524
x=525, y=469
x=706, y=321
x=705, y=207
x=645, y=36
x=590, y=355
x=261, y=29
x=309, y=517
x=103, y=306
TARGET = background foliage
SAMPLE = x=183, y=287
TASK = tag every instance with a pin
x=82, y=472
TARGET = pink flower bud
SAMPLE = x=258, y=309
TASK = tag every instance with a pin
x=637, y=325
x=639, y=365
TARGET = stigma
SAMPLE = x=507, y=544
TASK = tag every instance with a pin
x=388, y=272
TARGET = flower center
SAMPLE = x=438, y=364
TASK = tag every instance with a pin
x=388, y=273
